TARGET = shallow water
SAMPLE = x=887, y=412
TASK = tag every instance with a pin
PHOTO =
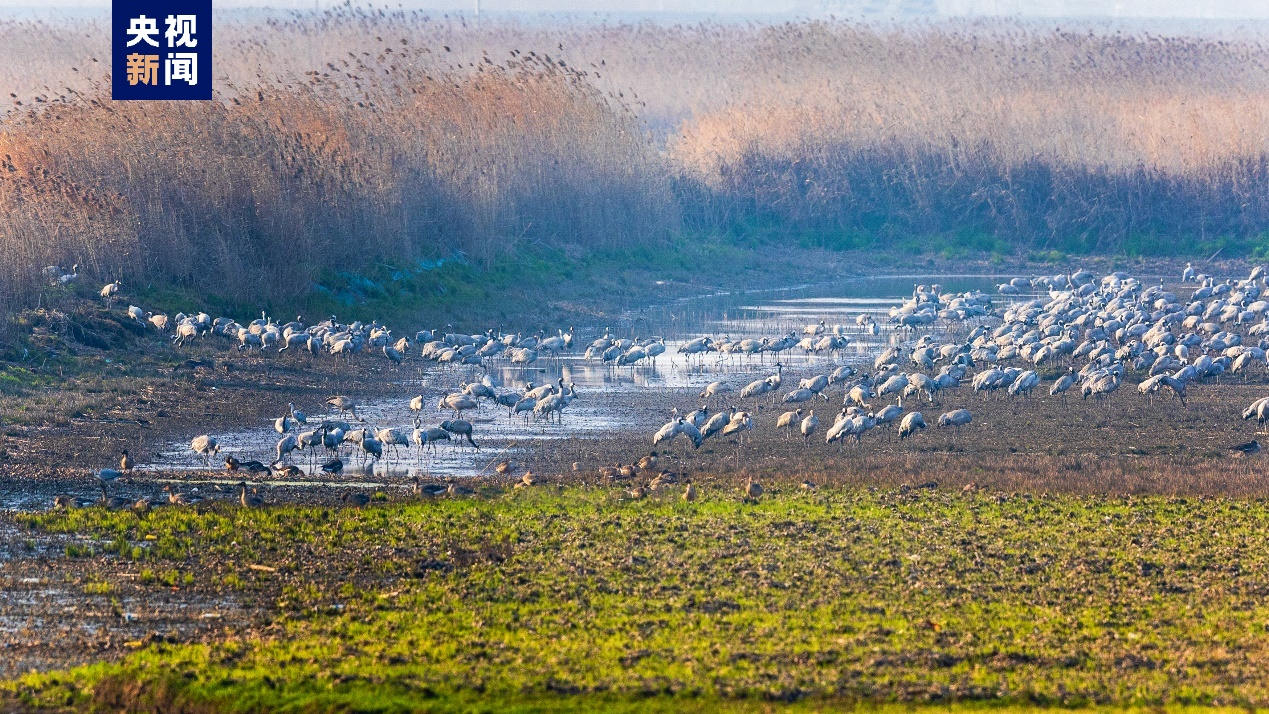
x=609, y=397
x=17, y=497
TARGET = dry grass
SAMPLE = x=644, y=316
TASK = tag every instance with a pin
x=373, y=161
x=354, y=138
x=1048, y=141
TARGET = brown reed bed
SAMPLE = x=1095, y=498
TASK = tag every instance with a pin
x=352, y=139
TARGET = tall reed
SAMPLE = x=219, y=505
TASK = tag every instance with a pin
x=355, y=138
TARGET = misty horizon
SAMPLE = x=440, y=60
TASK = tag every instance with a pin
x=1222, y=10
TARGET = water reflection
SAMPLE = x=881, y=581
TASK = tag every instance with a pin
x=608, y=395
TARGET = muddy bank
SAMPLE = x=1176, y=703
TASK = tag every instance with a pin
x=60, y=611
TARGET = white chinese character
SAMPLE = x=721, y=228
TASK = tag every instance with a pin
x=181, y=30
x=143, y=29
x=180, y=67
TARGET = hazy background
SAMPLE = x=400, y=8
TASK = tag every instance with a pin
x=863, y=9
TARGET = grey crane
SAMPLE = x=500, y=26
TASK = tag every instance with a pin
x=956, y=418
x=205, y=446
x=461, y=428
x=1024, y=383
x=110, y=290
x=739, y=423
x=344, y=404
x=285, y=446
x=676, y=428
x=801, y=395
x=699, y=417
x=809, y=425
x=912, y=422
x=788, y=420
x=714, y=389
x=457, y=402
x=105, y=476
x=717, y=423
x=68, y=278
x=1063, y=383
x=753, y=490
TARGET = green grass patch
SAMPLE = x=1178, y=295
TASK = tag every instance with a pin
x=454, y=287
x=575, y=599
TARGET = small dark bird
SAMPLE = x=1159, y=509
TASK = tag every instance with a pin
x=1251, y=447
x=173, y=496
x=248, y=500
x=251, y=467
x=193, y=364
x=125, y=462
x=63, y=502
x=287, y=470
x=753, y=490
x=356, y=499
x=334, y=466
x=115, y=503
x=663, y=479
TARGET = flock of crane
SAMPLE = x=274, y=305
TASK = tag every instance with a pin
x=1086, y=334
x=1091, y=332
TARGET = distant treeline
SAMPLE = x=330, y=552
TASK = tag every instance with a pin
x=351, y=140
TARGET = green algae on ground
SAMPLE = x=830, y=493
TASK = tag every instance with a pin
x=576, y=598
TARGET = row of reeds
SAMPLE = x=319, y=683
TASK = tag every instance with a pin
x=354, y=138
x=259, y=195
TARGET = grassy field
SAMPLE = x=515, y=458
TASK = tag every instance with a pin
x=576, y=597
